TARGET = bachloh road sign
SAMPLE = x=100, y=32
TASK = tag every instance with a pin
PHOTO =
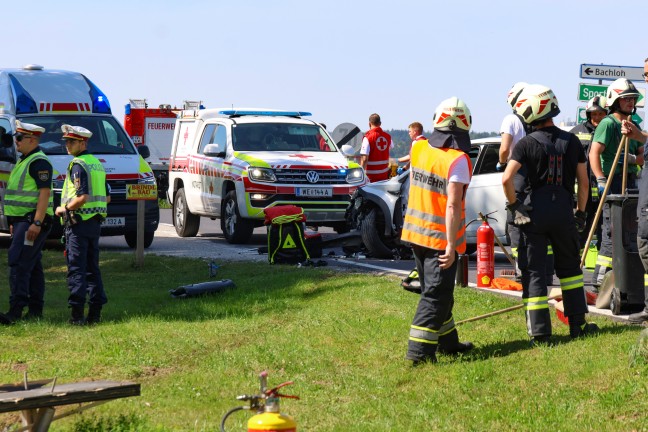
x=610, y=73
x=588, y=91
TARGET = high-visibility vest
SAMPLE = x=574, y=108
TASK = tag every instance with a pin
x=21, y=196
x=96, y=204
x=426, y=209
x=378, y=160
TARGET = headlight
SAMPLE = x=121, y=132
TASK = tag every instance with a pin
x=355, y=175
x=262, y=174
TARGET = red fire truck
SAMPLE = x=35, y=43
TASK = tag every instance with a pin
x=154, y=128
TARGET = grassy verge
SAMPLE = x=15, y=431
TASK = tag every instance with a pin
x=341, y=337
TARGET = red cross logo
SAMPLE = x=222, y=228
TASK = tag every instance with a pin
x=381, y=143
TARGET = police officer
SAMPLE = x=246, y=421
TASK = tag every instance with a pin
x=374, y=152
x=622, y=96
x=632, y=131
x=595, y=111
x=435, y=226
x=28, y=207
x=83, y=206
x=554, y=160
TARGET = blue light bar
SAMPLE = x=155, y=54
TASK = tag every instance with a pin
x=100, y=104
x=264, y=113
x=25, y=104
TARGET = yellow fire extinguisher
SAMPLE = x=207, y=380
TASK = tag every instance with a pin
x=266, y=405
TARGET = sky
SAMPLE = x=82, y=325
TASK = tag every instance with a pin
x=340, y=60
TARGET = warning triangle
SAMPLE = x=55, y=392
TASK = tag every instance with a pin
x=289, y=243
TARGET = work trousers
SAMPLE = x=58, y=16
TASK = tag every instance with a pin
x=433, y=324
x=552, y=220
x=515, y=233
x=82, y=252
x=642, y=244
x=604, y=258
x=26, y=277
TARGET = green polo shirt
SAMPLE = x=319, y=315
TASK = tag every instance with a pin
x=608, y=133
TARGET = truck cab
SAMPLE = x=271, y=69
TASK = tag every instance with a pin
x=51, y=98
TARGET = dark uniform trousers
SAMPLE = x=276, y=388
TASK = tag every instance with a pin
x=604, y=259
x=82, y=252
x=26, y=277
x=517, y=242
x=433, y=324
x=552, y=220
x=642, y=230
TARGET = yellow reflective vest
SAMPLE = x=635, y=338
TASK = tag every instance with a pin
x=21, y=196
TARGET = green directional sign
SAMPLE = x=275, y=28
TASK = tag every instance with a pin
x=588, y=91
x=638, y=117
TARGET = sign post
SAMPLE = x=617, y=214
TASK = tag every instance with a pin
x=141, y=193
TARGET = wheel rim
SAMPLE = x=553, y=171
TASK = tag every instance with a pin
x=230, y=216
x=179, y=215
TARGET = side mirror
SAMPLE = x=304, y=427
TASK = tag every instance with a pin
x=144, y=151
x=214, y=150
x=347, y=150
x=6, y=140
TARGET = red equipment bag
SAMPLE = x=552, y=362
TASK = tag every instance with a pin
x=284, y=212
x=286, y=239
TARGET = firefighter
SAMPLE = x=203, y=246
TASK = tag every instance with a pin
x=84, y=201
x=634, y=132
x=554, y=160
x=595, y=111
x=622, y=97
x=28, y=207
x=374, y=152
x=435, y=226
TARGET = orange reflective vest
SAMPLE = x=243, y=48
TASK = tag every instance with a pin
x=378, y=160
x=425, y=223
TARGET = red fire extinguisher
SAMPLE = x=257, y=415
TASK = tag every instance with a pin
x=485, y=254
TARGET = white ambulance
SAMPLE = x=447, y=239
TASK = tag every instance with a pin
x=51, y=98
x=233, y=163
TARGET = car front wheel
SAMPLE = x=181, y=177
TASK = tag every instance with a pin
x=186, y=223
x=236, y=229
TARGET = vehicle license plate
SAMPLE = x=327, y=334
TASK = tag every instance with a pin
x=314, y=192
x=114, y=222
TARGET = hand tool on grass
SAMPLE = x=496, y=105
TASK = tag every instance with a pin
x=501, y=311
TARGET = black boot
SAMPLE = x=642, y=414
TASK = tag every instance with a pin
x=77, y=316
x=94, y=315
x=449, y=344
x=34, y=313
x=14, y=314
x=639, y=317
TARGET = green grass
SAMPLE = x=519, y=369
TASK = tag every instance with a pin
x=340, y=336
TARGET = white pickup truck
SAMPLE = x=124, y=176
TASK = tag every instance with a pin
x=233, y=163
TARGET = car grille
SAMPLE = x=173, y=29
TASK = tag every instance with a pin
x=118, y=190
x=293, y=176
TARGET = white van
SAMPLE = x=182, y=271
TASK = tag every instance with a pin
x=51, y=98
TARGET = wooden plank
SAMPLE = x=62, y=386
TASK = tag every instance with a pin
x=66, y=394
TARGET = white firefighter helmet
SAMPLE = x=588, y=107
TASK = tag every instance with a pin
x=514, y=93
x=597, y=103
x=621, y=88
x=536, y=103
x=452, y=115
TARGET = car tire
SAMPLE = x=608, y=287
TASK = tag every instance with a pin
x=236, y=229
x=372, y=229
x=131, y=239
x=186, y=223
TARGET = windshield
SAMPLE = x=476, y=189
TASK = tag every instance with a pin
x=108, y=137
x=281, y=137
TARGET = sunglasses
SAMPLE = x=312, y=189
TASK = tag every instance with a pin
x=19, y=137
x=645, y=74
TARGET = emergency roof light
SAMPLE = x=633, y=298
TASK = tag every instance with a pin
x=244, y=112
x=192, y=105
x=100, y=104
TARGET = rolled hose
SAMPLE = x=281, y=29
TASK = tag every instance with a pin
x=227, y=414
